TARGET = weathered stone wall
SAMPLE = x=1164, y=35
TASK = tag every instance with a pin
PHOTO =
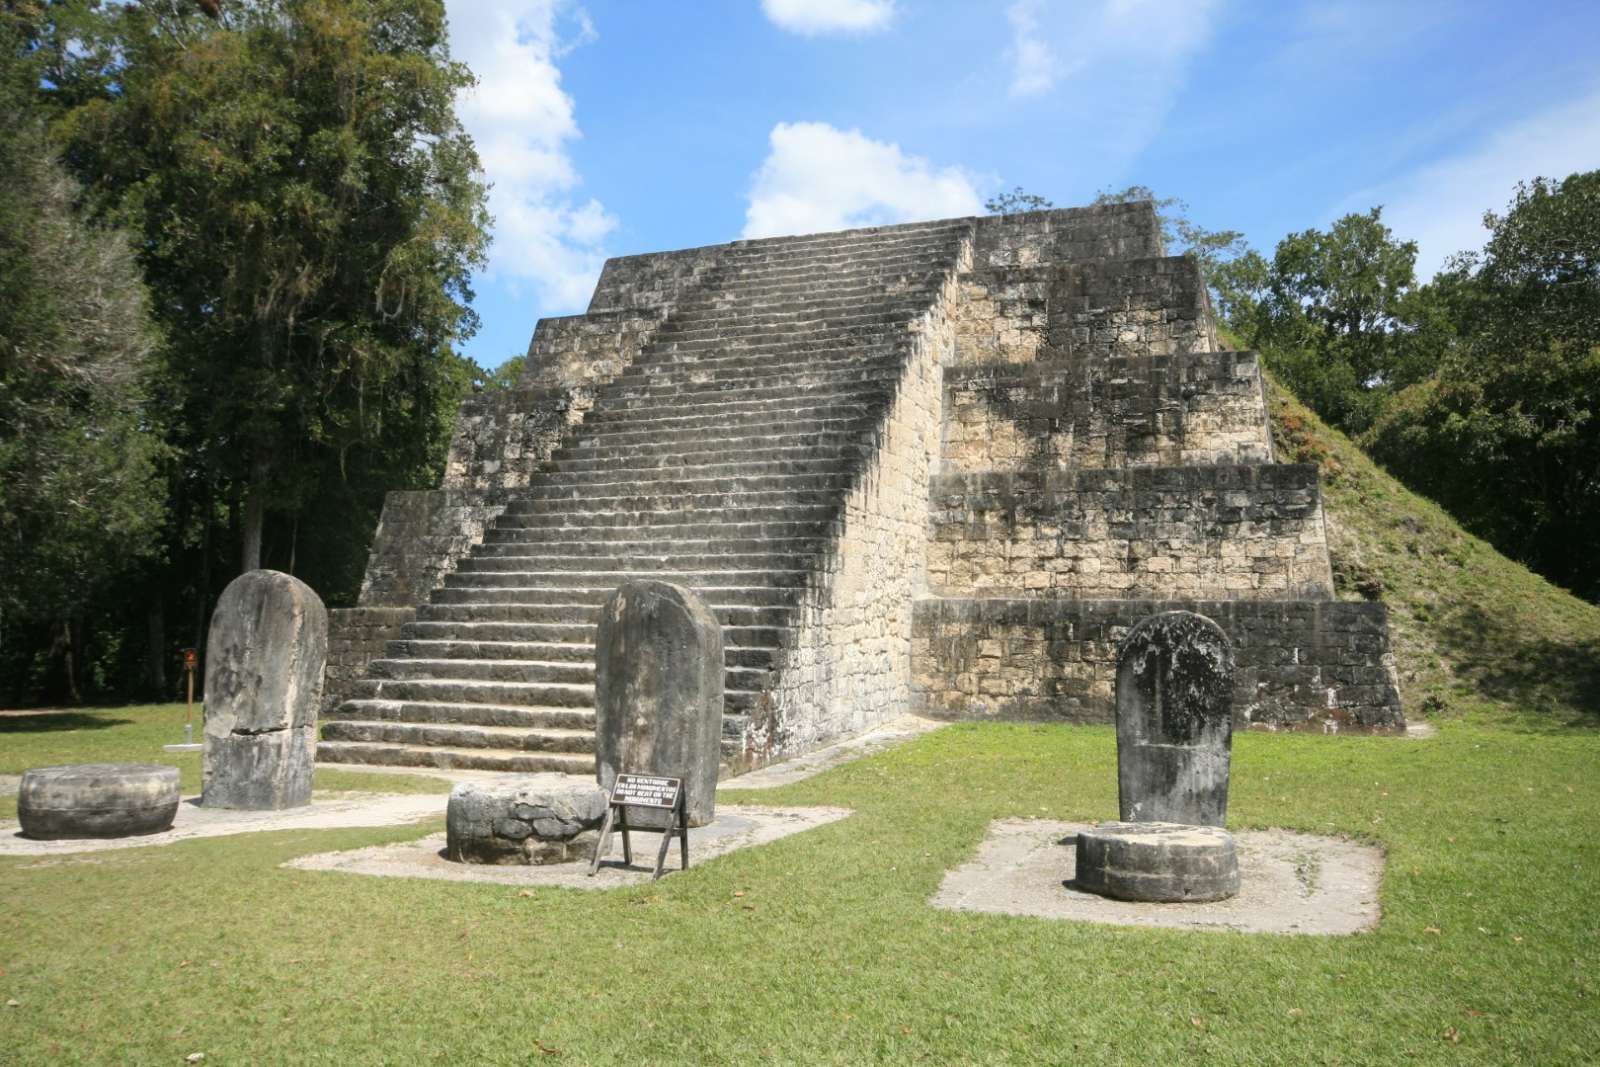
x=1112, y=231
x=1161, y=532
x=579, y=350
x=421, y=535
x=1143, y=411
x=848, y=667
x=502, y=438
x=1319, y=665
x=356, y=637
x=1138, y=307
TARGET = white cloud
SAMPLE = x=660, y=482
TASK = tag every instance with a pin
x=522, y=121
x=1132, y=43
x=813, y=17
x=820, y=178
x=1440, y=205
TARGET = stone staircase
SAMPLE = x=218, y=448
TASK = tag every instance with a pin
x=720, y=458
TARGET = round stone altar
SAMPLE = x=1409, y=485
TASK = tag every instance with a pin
x=97, y=800
x=523, y=822
x=1158, y=862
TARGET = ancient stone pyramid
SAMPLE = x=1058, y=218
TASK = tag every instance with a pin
x=937, y=467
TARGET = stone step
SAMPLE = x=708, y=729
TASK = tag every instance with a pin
x=690, y=361
x=847, y=449
x=452, y=649
x=801, y=285
x=598, y=540
x=765, y=578
x=752, y=377
x=573, y=633
x=844, y=332
x=532, y=561
x=795, y=521
x=563, y=672
x=751, y=391
x=475, y=759
x=561, y=485
x=516, y=542
x=752, y=658
x=472, y=714
x=703, y=424
x=884, y=272
x=653, y=499
x=573, y=613
x=452, y=735
x=467, y=691
x=522, y=670
x=717, y=596
x=716, y=464
x=796, y=429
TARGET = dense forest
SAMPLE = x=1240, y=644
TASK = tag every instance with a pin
x=236, y=247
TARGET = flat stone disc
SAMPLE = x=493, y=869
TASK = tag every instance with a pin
x=1157, y=861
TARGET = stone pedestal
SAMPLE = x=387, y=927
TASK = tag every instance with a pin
x=516, y=822
x=264, y=660
x=1174, y=720
x=1158, y=862
x=97, y=800
x=658, y=693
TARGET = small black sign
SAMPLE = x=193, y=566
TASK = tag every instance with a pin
x=646, y=791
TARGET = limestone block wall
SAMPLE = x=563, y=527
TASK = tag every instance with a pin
x=1160, y=532
x=848, y=667
x=356, y=637
x=421, y=535
x=1198, y=408
x=1305, y=665
x=1111, y=231
x=502, y=438
x=579, y=350
x=1138, y=307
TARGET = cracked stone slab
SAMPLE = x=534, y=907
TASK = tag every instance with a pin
x=736, y=826
x=1289, y=883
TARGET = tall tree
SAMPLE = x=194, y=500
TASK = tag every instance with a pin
x=310, y=213
x=81, y=497
x=1505, y=432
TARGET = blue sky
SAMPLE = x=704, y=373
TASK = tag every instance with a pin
x=609, y=128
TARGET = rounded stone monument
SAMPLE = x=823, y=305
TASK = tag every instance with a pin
x=1157, y=862
x=265, y=652
x=658, y=693
x=518, y=822
x=97, y=800
x=1174, y=720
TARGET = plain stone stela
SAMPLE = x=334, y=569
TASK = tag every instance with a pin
x=264, y=660
x=1174, y=721
x=658, y=692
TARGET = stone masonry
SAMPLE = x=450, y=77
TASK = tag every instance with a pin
x=867, y=451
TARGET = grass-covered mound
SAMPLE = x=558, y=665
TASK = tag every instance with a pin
x=1474, y=633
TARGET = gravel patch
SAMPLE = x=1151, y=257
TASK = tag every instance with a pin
x=323, y=813
x=1289, y=883
x=735, y=827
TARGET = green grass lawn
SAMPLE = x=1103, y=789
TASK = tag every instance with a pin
x=821, y=948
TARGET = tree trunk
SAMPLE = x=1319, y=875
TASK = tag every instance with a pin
x=156, y=655
x=255, y=510
x=69, y=661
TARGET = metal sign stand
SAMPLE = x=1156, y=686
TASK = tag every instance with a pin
x=645, y=791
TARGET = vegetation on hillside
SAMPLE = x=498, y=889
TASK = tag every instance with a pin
x=1474, y=633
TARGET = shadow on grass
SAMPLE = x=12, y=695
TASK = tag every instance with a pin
x=1505, y=662
x=52, y=722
